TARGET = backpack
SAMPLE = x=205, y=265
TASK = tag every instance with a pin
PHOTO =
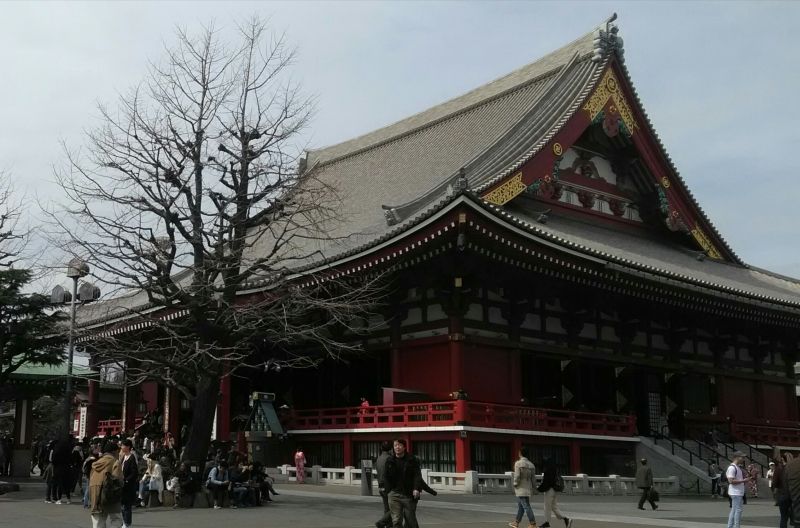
x=110, y=492
x=559, y=484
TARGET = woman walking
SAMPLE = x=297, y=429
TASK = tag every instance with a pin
x=552, y=484
x=524, y=477
x=300, y=465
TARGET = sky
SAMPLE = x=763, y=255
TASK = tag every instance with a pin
x=720, y=82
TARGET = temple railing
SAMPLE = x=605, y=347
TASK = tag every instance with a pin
x=783, y=433
x=113, y=427
x=462, y=412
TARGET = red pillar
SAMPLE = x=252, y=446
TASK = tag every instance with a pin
x=456, y=346
x=574, y=458
x=348, y=451
x=224, y=409
x=463, y=453
x=150, y=395
x=515, y=376
x=516, y=445
x=91, y=408
x=397, y=378
x=130, y=400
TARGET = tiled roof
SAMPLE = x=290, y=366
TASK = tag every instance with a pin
x=411, y=168
x=413, y=164
x=659, y=258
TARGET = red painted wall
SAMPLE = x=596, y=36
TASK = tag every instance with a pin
x=426, y=368
x=775, y=398
x=488, y=375
x=739, y=399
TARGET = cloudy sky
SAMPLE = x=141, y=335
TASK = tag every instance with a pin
x=719, y=80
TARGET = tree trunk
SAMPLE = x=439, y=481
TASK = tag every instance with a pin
x=204, y=406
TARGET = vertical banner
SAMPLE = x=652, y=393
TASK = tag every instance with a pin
x=82, y=422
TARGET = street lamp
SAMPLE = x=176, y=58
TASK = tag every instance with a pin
x=76, y=268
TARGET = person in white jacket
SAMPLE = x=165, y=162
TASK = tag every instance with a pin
x=152, y=480
x=524, y=478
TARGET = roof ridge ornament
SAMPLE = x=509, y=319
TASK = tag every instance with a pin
x=606, y=41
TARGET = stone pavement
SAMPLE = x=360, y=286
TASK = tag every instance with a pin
x=343, y=507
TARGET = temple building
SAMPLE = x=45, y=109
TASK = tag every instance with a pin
x=556, y=285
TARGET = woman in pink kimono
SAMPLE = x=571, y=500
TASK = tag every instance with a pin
x=300, y=465
x=752, y=470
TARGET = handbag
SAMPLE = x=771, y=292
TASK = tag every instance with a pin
x=654, y=496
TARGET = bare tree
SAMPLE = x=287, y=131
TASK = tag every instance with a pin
x=190, y=196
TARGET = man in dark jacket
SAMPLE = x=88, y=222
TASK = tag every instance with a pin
x=130, y=481
x=403, y=483
x=791, y=474
x=551, y=484
x=380, y=467
x=644, y=481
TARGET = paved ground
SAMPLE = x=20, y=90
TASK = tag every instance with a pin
x=342, y=507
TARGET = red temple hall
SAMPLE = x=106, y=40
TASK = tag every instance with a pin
x=555, y=285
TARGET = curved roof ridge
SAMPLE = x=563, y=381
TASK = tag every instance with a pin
x=476, y=166
x=543, y=67
x=674, y=169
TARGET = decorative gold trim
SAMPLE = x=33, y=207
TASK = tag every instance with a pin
x=665, y=182
x=557, y=149
x=608, y=88
x=509, y=190
x=705, y=243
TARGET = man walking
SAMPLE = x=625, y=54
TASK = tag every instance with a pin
x=552, y=484
x=105, y=509
x=130, y=481
x=403, y=483
x=380, y=467
x=523, y=481
x=736, y=482
x=644, y=481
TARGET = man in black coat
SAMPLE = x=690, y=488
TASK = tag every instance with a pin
x=130, y=481
x=380, y=467
x=403, y=483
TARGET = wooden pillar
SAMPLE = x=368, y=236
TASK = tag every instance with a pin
x=574, y=458
x=172, y=412
x=91, y=408
x=150, y=395
x=759, y=395
x=397, y=373
x=348, y=451
x=23, y=430
x=130, y=399
x=516, y=445
x=224, y=409
x=463, y=453
x=455, y=307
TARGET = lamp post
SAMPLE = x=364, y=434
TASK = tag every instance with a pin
x=76, y=268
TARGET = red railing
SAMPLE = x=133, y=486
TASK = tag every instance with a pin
x=113, y=427
x=759, y=434
x=461, y=412
x=553, y=420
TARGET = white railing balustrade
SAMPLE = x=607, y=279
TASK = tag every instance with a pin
x=474, y=482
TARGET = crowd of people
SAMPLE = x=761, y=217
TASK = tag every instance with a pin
x=145, y=466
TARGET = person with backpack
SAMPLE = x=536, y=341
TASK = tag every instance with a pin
x=736, y=484
x=552, y=483
x=86, y=472
x=105, y=489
